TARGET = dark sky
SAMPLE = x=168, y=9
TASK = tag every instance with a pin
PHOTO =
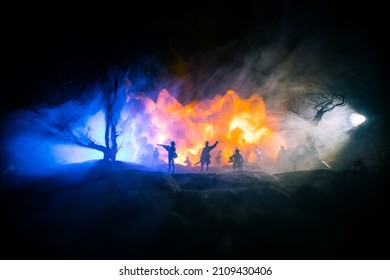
x=46, y=46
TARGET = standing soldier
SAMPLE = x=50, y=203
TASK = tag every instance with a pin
x=171, y=155
x=219, y=157
x=259, y=156
x=155, y=155
x=205, y=158
x=282, y=159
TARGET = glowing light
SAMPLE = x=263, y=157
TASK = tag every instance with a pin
x=357, y=119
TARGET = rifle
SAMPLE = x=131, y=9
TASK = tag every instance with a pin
x=197, y=163
x=165, y=146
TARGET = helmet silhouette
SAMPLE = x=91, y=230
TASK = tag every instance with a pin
x=173, y=143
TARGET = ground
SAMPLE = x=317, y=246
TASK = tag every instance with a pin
x=95, y=210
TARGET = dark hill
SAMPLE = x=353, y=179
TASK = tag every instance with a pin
x=97, y=211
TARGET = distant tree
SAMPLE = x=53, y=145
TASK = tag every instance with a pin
x=84, y=139
x=313, y=106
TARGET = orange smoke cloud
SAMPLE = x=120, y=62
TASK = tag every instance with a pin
x=229, y=119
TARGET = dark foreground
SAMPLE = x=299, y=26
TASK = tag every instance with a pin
x=92, y=211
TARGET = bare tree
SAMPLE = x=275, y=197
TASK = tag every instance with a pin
x=83, y=138
x=312, y=107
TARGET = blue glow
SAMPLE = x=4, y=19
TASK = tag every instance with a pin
x=45, y=136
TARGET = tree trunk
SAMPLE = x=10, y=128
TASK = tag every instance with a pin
x=110, y=132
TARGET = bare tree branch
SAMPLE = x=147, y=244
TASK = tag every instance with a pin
x=319, y=102
x=82, y=138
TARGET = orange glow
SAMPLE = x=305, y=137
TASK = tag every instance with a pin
x=230, y=119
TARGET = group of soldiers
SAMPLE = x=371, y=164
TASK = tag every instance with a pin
x=205, y=157
x=237, y=160
x=291, y=160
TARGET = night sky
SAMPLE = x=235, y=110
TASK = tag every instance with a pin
x=47, y=46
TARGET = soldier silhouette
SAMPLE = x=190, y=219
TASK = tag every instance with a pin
x=259, y=156
x=205, y=158
x=156, y=154
x=237, y=160
x=188, y=162
x=171, y=155
x=219, y=157
x=282, y=159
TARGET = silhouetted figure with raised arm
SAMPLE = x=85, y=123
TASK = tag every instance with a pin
x=205, y=158
x=171, y=155
x=237, y=160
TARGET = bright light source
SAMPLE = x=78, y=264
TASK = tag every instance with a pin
x=357, y=119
